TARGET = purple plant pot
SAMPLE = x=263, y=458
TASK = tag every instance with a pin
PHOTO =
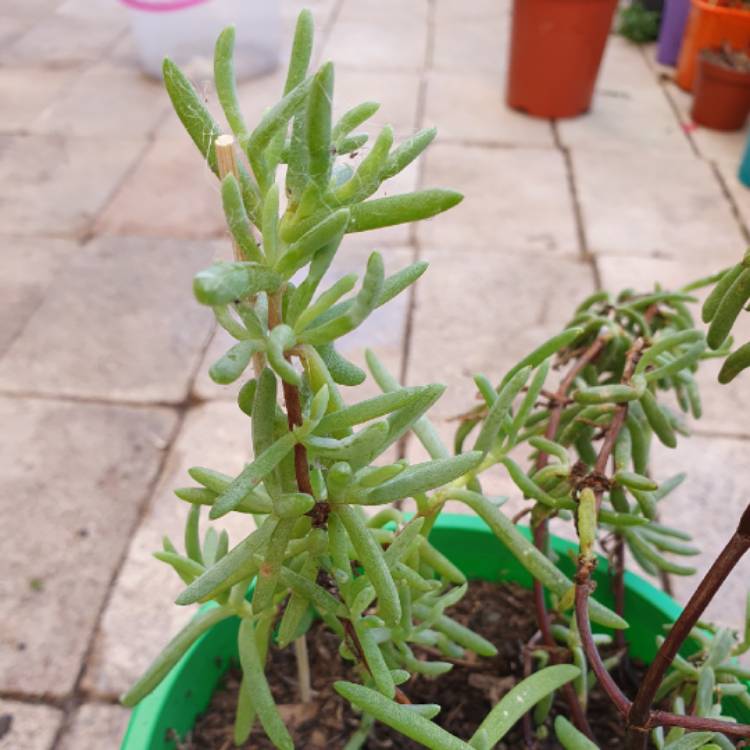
x=673, y=22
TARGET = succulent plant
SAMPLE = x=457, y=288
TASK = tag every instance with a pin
x=328, y=536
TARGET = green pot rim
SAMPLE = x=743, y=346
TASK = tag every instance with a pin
x=187, y=697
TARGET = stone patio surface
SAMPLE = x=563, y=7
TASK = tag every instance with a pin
x=106, y=212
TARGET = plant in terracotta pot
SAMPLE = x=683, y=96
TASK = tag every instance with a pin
x=556, y=48
x=342, y=608
x=711, y=23
x=722, y=89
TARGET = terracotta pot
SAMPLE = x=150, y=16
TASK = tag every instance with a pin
x=555, y=52
x=708, y=26
x=722, y=96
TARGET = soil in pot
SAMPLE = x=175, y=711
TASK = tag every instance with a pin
x=502, y=613
x=722, y=92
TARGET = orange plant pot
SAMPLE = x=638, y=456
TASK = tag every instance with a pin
x=722, y=96
x=708, y=26
x=555, y=52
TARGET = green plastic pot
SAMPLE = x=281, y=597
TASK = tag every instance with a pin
x=466, y=540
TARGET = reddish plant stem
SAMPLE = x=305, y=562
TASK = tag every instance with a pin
x=621, y=702
x=584, y=585
x=320, y=511
x=521, y=515
x=355, y=645
x=698, y=724
x=618, y=585
x=294, y=419
x=610, y=687
x=666, y=582
x=641, y=719
x=540, y=530
x=613, y=431
x=639, y=713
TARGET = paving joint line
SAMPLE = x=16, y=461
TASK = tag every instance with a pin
x=734, y=208
x=74, y=700
x=67, y=398
x=661, y=80
x=77, y=697
x=90, y=698
x=90, y=232
x=492, y=145
x=585, y=255
x=720, y=434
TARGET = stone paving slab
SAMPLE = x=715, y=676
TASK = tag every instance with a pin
x=630, y=111
x=643, y=205
x=28, y=11
x=56, y=184
x=385, y=13
x=718, y=485
x=216, y=436
x=32, y=727
x=738, y=192
x=139, y=332
x=471, y=107
x=30, y=266
x=11, y=29
x=396, y=28
x=69, y=37
x=170, y=193
x=471, y=43
x=96, y=727
x=478, y=10
x=725, y=407
x=105, y=100
x=468, y=320
x=29, y=102
x=68, y=516
x=515, y=199
x=397, y=93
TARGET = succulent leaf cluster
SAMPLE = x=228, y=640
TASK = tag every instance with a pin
x=721, y=309
x=327, y=540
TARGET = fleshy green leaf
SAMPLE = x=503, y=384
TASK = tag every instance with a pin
x=570, y=738
x=401, y=209
x=405, y=721
x=173, y=652
x=225, y=282
x=523, y=697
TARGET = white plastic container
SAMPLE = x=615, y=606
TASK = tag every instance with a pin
x=186, y=31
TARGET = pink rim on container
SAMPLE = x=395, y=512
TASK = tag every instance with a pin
x=162, y=6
